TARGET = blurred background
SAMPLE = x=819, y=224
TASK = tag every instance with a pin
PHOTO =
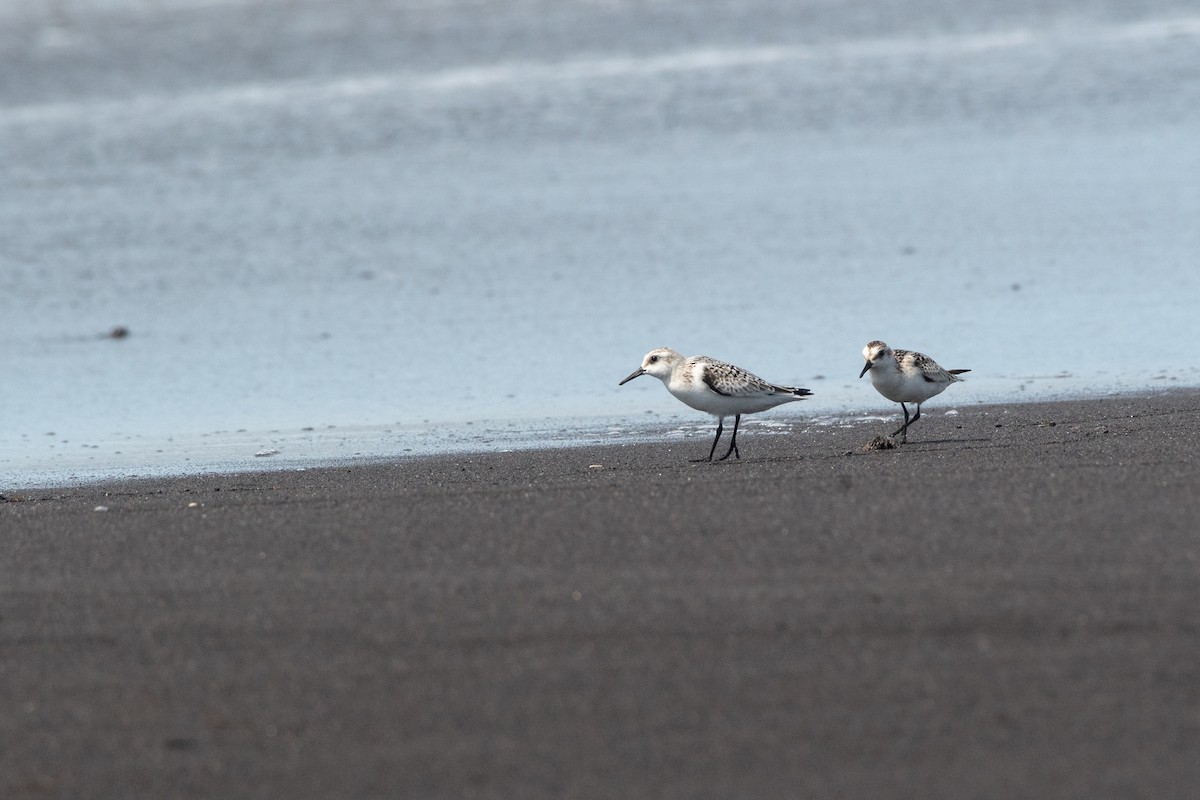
x=307, y=230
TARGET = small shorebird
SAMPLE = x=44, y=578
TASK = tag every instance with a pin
x=715, y=387
x=904, y=376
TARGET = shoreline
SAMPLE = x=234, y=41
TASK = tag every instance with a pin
x=479, y=437
x=1004, y=606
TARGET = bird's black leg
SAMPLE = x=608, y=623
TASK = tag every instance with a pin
x=733, y=440
x=907, y=421
x=717, y=438
x=903, y=428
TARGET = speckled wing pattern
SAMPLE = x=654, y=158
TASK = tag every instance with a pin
x=930, y=370
x=733, y=381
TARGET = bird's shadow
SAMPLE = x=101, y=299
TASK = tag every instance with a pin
x=918, y=442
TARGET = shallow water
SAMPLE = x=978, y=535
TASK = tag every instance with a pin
x=334, y=239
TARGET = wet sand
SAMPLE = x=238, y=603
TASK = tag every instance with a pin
x=1006, y=606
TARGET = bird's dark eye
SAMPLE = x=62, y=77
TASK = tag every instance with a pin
x=653, y=359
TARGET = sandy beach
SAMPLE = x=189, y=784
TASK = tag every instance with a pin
x=279, y=234
x=1004, y=607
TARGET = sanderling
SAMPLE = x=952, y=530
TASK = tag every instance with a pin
x=904, y=376
x=715, y=387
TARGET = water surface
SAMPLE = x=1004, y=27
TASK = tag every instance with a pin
x=381, y=229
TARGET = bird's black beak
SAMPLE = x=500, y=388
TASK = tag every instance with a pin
x=866, y=367
x=632, y=375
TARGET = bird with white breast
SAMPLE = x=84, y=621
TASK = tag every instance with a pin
x=905, y=376
x=715, y=387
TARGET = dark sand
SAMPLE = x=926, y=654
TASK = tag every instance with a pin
x=1008, y=606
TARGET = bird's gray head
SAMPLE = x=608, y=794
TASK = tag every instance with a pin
x=873, y=352
x=658, y=362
